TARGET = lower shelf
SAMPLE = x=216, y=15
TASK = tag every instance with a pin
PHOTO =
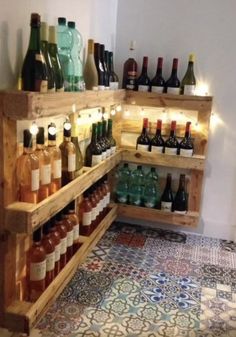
x=21, y=316
x=190, y=219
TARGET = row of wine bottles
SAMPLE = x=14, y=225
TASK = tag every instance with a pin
x=169, y=146
x=136, y=188
x=42, y=172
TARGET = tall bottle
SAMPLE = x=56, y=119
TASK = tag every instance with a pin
x=99, y=66
x=180, y=204
x=90, y=70
x=167, y=196
x=186, y=144
x=78, y=154
x=188, y=83
x=56, y=238
x=49, y=247
x=70, y=234
x=44, y=47
x=44, y=165
x=113, y=78
x=136, y=187
x=85, y=211
x=53, y=52
x=152, y=176
x=101, y=141
x=143, y=141
x=158, y=82
x=105, y=139
x=172, y=144
x=75, y=221
x=157, y=142
x=68, y=155
x=102, y=58
x=150, y=191
x=110, y=137
x=122, y=186
x=34, y=71
x=172, y=85
x=61, y=228
x=143, y=82
x=130, y=70
x=27, y=170
x=93, y=155
x=55, y=154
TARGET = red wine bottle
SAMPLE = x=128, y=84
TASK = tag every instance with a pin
x=180, y=204
x=167, y=196
x=130, y=70
x=99, y=66
x=157, y=142
x=143, y=141
x=158, y=82
x=173, y=84
x=143, y=82
x=102, y=58
x=172, y=144
x=186, y=145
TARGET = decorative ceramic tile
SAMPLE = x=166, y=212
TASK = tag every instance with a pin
x=228, y=245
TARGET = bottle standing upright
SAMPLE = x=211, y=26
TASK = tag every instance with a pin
x=93, y=154
x=143, y=141
x=79, y=161
x=99, y=67
x=113, y=78
x=53, y=51
x=110, y=137
x=172, y=144
x=130, y=70
x=186, y=144
x=172, y=85
x=158, y=82
x=143, y=82
x=102, y=58
x=180, y=204
x=157, y=142
x=188, y=83
x=90, y=70
x=167, y=196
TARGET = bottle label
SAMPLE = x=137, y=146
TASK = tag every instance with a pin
x=158, y=90
x=40, y=58
x=174, y=91
x=94, y=213
x=100, y=206
x=130, y=86
x=113, y=150
x=104, y=202
x=143, y=88
x=108, y=153
x=180, y=212
x=108, y=198
x=35, y=180
x=143, y=147
x=63, y=245
x=166, y=206
x=70, y=237
x=45, y=174
x=57, y=252
x=71, y=162
x=76, y=232
x=135, y=200
x=189, y=89
x=104, y=154
x=37, y=271
x=41, y=85
x=157, y=149
x=96, y=159
x=101, y=87
x=171, y=151
x=57, y=169
x=186, y=152
x=87, y=218
x=50, y=261
x=114, y=85
x=97, y=210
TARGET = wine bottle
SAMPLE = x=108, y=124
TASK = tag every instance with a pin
x=27, y=171
x=75, y=221
x=56, y=238
x=93, y=155
x=34, y=70
x=56, y=64
x=157, y=142
x=181, y=199
x=136, y=187
x=172, y=85
x=102, y=58
x=186, y=145
x=172, y=144
x=122, y=186
x=78, y=154
x=99, y=66
x=130, y=70
x=61, y=228
x=90, y=70
x=188, y=83
x=167, y=196
x=101, y=141
x=93, y=201
x=143, y=82
x=70, y=234
x=68, y=156
x=110, y=137
x=158, y=82
x=143, y=141
x=85, y=210
x=105, y=139
x=113, y=78
x=44, y=48
x=49, y=247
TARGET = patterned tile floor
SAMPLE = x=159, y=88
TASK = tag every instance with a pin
x=149, y=283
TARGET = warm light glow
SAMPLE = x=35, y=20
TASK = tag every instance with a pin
x=52, y=130
x=34, y=129
x=67, y=125
x=202, y=89
x=127, y=113
x=118, y=108
x=113, y=112
x=99, y=114
x=105, y=115
x=79, y=120
x=197, y=126
x=164, y=116
x=73, y=108
x=215, y=120
x=142, y=112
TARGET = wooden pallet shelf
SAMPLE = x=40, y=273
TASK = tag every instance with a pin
x=21, y=316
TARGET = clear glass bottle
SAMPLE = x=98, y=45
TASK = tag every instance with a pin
x=70, y=233
x=85, y=211
x=61, y=228
x=49, y=247
x=136, y=187
x=79, y=160
x=56, y=238
x=73, y=217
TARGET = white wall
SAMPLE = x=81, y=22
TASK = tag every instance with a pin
x=207, y=28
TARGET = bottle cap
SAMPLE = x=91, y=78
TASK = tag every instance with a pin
x=160, y=62
x=35, y=20
x=61, y=21
x=52, y=37
x=191, y=58
x=44, y=31
x=28, y=141
x=159, y=124
x=173, y=125
x=71, y=24
x=132, y=45
x=145, y=122
x=40, y=136
x=52, y=131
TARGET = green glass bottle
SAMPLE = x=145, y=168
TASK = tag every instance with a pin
x=152, y=190
x=105, y=139
x=110, y=137
x=53, y=52
x=93, y=155
x=122, y=186
x=44, y=47
x=101, y=140
x=188, y=83
x=136, y=187
x=180, y=204
x=34, y=71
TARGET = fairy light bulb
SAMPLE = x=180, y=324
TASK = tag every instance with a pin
x=73, y=108
x=52, y=130
x=127, y=113
x=113, y=112
x=118, y=108
x=34, y=129
x=67, y=125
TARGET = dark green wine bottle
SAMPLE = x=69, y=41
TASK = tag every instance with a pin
x=105, y=139
x=167, y=196
x=34, y=70
x=188, y=83
x=180, y=204
x=101, y=140
x=93, y=155
x=110, y=137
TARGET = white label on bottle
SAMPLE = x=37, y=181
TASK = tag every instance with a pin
x=166, y=206
x=171, y=151
x=108, y=153
x=101, y=87
x=45, y=174
x=180, y=212
x=40, y=58
x=108, y=197
x=113, y=149
x=75, y=232
x=144, y=88
x=104, y=202
x=35, y=180
x=143, y=147
x=189, y=89
x=71, y=162
x=70, y=237
x=63, y=245
x=57, y=252
x=186, y=152
x=57, y=169
x=87, y=218
x=104, y=154
x=100, y=206
x=157, y=149
x=173, y=90
x=158, y=90
x=130, y=86
x=114, y=85
x=96, y=159
x=94, y=214
x=50, y=261
x=37, y=271
x=97, y=210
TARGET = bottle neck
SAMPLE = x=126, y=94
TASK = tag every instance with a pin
x=94, y=137
x=182, y=183
x=187, y=130
x=168, y=182
x=110, y=64
x=67, y=139
x=34, y=43
x=190, y=66
x=145, y=65
x=39, y=146
x=28, y=150
x=174, y=68
x=51, y=143
x=109, y=131
x=159, y=67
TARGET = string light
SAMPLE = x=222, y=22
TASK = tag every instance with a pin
x=67, y=125
x=113, y=112
x=118, y=108
x=202, y=89
x=52, y=130
x=34, y=129
x=73, y=108
x=127, y=113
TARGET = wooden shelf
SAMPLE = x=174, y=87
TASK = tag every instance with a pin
x=196, y=162
x=154, y=215
x=21, y=316
x=23, y=217
x=31, y=105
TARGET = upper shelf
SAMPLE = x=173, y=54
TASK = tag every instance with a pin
x=31, y=105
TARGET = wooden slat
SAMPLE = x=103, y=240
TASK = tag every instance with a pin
x=195, y=190
x=27, y=314
x=25, y=218
x=31, y=105
x=148, y=214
